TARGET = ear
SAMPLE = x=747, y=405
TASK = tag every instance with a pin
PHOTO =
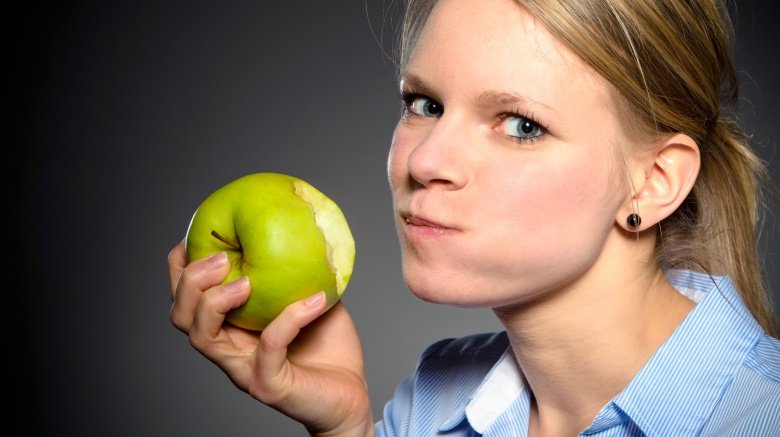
x=661, y=180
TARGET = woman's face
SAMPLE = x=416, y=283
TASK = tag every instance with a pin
x=503, y=169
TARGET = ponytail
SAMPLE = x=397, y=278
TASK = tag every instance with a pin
x=715, y=228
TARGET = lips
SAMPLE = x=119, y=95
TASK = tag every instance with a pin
x=419, y=228
x=419, y=221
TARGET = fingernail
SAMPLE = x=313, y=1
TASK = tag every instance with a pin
x=315, y=300
x=217, y=260
x=238, y=285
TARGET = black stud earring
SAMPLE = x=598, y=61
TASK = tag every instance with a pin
x=633, y=220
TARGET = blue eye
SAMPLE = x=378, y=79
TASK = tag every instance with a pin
x=424, y=106
x=521, y=128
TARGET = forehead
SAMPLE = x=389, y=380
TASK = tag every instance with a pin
x=496, y=44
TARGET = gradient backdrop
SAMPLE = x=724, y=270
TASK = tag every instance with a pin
x=125, y=115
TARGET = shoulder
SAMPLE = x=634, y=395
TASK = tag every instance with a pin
x=490, y=346
x=764, y=359
x=751, y=403
x=447, y=374
x=458, y=365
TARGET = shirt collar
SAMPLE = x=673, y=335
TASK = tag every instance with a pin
x=500, y=388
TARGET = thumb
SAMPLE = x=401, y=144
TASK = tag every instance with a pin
x=277, y=336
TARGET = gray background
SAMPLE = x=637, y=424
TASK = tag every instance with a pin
x=124, y=115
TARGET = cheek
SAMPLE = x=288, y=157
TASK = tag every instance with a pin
x=554, y=204
x=549, y=222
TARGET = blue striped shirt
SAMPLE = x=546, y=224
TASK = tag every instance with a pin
x=717, y=375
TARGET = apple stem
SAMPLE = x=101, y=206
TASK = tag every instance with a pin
x=224, y=240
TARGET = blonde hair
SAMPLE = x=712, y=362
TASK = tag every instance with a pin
x=669, y=62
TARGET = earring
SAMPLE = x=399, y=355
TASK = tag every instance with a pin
x=633, y=220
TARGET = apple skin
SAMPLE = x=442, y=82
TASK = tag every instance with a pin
x=270, y=236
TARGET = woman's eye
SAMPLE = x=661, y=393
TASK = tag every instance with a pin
x=521, y=128
x=424, y=106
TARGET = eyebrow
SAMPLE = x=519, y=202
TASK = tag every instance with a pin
x=504, y=98
x=416, y=83
x=489, y=97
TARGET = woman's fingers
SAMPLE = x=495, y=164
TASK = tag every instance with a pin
x=198, y=276
x=209, y=336
x=213, y=306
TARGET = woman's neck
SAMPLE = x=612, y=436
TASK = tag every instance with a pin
x=580, y=347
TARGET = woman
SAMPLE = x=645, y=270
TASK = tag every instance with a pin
x=567, y=165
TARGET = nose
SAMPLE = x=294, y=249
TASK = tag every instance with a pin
x=439, y=159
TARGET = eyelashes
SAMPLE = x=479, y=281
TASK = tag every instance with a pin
x=517, y=125
x=521, y=127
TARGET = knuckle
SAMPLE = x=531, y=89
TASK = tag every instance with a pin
x=299, y=316
x=267, y=343
x=188, y=279
x=174, y=256
x=210, y=300
x=177, y=320
x=196, y=340
x=197, y=276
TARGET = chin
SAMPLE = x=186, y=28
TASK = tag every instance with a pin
x=452, y=289
x=462, y=288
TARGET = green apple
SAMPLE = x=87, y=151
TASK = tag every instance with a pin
x=290, y=239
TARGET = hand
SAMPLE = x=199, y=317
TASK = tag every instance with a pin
x=310, y=370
